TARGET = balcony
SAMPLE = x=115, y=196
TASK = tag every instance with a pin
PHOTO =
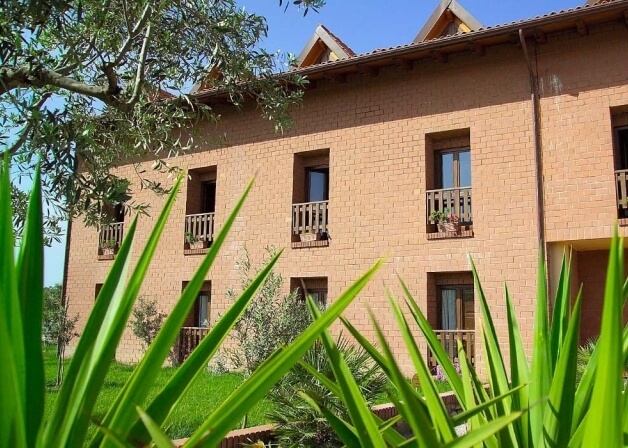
x=199, y=231
x=449, y=338
x=310, y=224
x=621, y=185
x=455, y=201
x=110, y=240
x=189, y=339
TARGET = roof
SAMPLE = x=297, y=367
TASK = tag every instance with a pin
x=580, y=18
x=447, y=12
x=322, y=40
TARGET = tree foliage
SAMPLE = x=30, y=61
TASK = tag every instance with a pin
x=89, y=85
x=272, y=320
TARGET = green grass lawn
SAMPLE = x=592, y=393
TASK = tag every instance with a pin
x=207, y=392
x=205, y=395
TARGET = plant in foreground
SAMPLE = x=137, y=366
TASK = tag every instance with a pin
x=298, y=424
x=126, y=423
x=532, y=404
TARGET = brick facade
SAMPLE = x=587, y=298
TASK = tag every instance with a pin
x=378, y=134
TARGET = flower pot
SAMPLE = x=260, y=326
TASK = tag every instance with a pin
x=108, y=250
x=198, y=245
x=449, y=227
x=310, y=237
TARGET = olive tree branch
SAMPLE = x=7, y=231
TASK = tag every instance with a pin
x=139, y=76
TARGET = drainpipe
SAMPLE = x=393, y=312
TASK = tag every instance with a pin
x=538, y=155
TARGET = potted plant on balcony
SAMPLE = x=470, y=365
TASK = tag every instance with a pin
x=193, y=241
x=310, y=236
x=445, y=221
x=108, y=247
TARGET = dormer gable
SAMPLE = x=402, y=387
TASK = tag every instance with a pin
x=322, y=47
x=448, y=18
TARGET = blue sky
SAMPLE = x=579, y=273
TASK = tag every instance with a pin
x=363, y=26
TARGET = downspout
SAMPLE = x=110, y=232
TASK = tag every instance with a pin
x=538, y=155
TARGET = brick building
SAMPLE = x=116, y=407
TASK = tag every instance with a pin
x=519, y=129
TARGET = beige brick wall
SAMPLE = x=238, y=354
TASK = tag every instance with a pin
x=376, y=130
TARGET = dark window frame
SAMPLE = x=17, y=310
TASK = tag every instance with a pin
x=438, y=169
x=322, y=169
x=617, y=141
x=208, y=196
x=460, y=312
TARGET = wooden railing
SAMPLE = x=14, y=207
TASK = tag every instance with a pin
x=450, y=200
x=449, y=338
x=310, y=217
x=109, y=232
x=621, y=181
x=201, y=226
x=189, y=338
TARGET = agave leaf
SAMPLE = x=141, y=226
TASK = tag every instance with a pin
x=560, y=315
x=70, y=398
x=12, y=373
x=585, y=388
x=160, y=439
x=604, y=424
x=520, y=372
x=559, y=413
x=409, y=405
x=434, y=344
x=136, y=389
x=438, y=412
x=495, y=362
x=93, y=369
x=485, y=432
x=365, y=425
x=30, y=269
x=170, y=395
x=271, y=371
x=541, y=358
x=474, y=414
x=390, y=434
x=345, y=432
x=370, y=348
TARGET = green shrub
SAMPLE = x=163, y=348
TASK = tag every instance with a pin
x=298, y=424
x=22, y=377
x=147, y=321
x=272, y=319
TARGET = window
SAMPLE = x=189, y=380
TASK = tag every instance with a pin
x=208, y=197
x=456, y=308
x=317, y=186
x=97, y=289
x=111, y=234
x=200, y=315
x=453, y=169
x=200, y=210
x=202, y=310
x=448, y=184
x=316, y=287
x=620, y=150
x=310, y=199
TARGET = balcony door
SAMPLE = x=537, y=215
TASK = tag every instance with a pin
x=208, y=197
x=317, y=184
x=202, y=310
x=457, y=308
x=453, y=169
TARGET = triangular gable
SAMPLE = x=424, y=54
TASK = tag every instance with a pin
x=323, y=46
x=448, y=18
x=214, y=74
